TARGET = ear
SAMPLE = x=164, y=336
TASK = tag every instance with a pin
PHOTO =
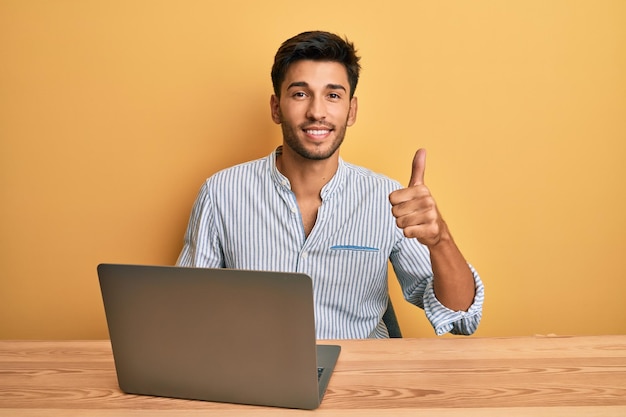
x=354, y=106
x=275, y=108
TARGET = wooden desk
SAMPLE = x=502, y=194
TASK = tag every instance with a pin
x=529, y=376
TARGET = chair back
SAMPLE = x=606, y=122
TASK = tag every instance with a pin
x=391, y=321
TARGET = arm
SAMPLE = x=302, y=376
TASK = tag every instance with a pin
x=417, y=215
x=453, y=281
x=413, y=268
x=201, y=247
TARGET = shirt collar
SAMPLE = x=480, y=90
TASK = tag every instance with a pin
x=333, y=186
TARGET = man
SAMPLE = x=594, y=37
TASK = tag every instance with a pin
x=304, y=209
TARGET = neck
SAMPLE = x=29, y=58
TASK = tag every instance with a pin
x=307, y=176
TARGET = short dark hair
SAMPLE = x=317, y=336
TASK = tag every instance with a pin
x=316, y=46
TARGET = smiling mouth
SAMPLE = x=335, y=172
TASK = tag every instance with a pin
x=317, y=132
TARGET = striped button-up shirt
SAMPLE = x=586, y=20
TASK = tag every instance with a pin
x=247, y=217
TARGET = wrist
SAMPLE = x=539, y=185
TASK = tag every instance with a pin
x=444, y=239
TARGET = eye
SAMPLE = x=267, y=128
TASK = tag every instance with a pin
x=299, y=95
x=334, y=96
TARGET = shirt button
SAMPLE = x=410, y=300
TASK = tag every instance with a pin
x=293, y=209
x=305, y=255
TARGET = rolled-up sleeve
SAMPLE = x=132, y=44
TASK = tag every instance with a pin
x=411, y=263
x=445, y=320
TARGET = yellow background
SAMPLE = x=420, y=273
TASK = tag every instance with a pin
x=112, y=113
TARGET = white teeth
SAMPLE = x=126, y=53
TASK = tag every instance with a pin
x=317, y=132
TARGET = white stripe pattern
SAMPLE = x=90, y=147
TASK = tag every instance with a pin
x=247, y=217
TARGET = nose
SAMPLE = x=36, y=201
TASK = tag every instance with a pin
x=316, y=109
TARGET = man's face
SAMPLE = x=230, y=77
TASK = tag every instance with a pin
x=314, y=108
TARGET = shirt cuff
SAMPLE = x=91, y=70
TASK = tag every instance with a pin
x=445, y=320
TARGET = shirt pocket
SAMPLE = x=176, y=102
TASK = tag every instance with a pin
x=357, y=267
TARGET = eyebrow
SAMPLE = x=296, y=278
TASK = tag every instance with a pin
x=305, y=84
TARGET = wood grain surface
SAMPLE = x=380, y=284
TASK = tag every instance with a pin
x=551, y=376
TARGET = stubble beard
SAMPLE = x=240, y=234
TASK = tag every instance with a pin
x=290, y=138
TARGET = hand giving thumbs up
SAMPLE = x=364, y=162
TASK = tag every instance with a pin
x=414, y=207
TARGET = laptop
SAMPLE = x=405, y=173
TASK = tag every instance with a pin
x=221, y=335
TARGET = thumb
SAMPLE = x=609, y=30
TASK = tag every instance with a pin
x=419, y=166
